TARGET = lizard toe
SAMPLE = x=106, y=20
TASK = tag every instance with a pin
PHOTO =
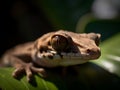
x=17, y=72
x=29, y=74
x=41, y=71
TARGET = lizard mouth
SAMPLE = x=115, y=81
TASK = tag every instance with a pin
x=62, y=59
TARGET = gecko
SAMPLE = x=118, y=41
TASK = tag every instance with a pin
x=58, y=48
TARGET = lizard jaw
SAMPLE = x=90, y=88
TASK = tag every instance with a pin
x=62, y=59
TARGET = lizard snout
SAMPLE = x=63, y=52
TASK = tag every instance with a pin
x=94, y=53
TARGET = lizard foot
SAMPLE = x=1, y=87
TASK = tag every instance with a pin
x=29, y=69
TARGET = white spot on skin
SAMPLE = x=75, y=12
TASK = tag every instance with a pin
x=53, y=52
x=39, y=55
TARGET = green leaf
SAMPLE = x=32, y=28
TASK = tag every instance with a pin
x=7, y=82
x=110, y=59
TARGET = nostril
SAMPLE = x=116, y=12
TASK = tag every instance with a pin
x=88, y=50
x=91, y=52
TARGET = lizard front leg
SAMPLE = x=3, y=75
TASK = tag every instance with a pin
x=22, y=67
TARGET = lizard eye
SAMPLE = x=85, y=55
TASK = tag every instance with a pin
x=59, y=43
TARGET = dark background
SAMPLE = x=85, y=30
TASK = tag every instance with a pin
x=26, y=20
x=21, y=21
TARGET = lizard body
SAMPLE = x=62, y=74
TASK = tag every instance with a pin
x=59, y=48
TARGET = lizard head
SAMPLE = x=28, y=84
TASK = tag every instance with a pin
x=86, y=45
x=68, y=48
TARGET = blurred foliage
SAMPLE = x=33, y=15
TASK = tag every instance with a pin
x=25, y=20
x=107, y=28
x=64, y=14
x=110, y=59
